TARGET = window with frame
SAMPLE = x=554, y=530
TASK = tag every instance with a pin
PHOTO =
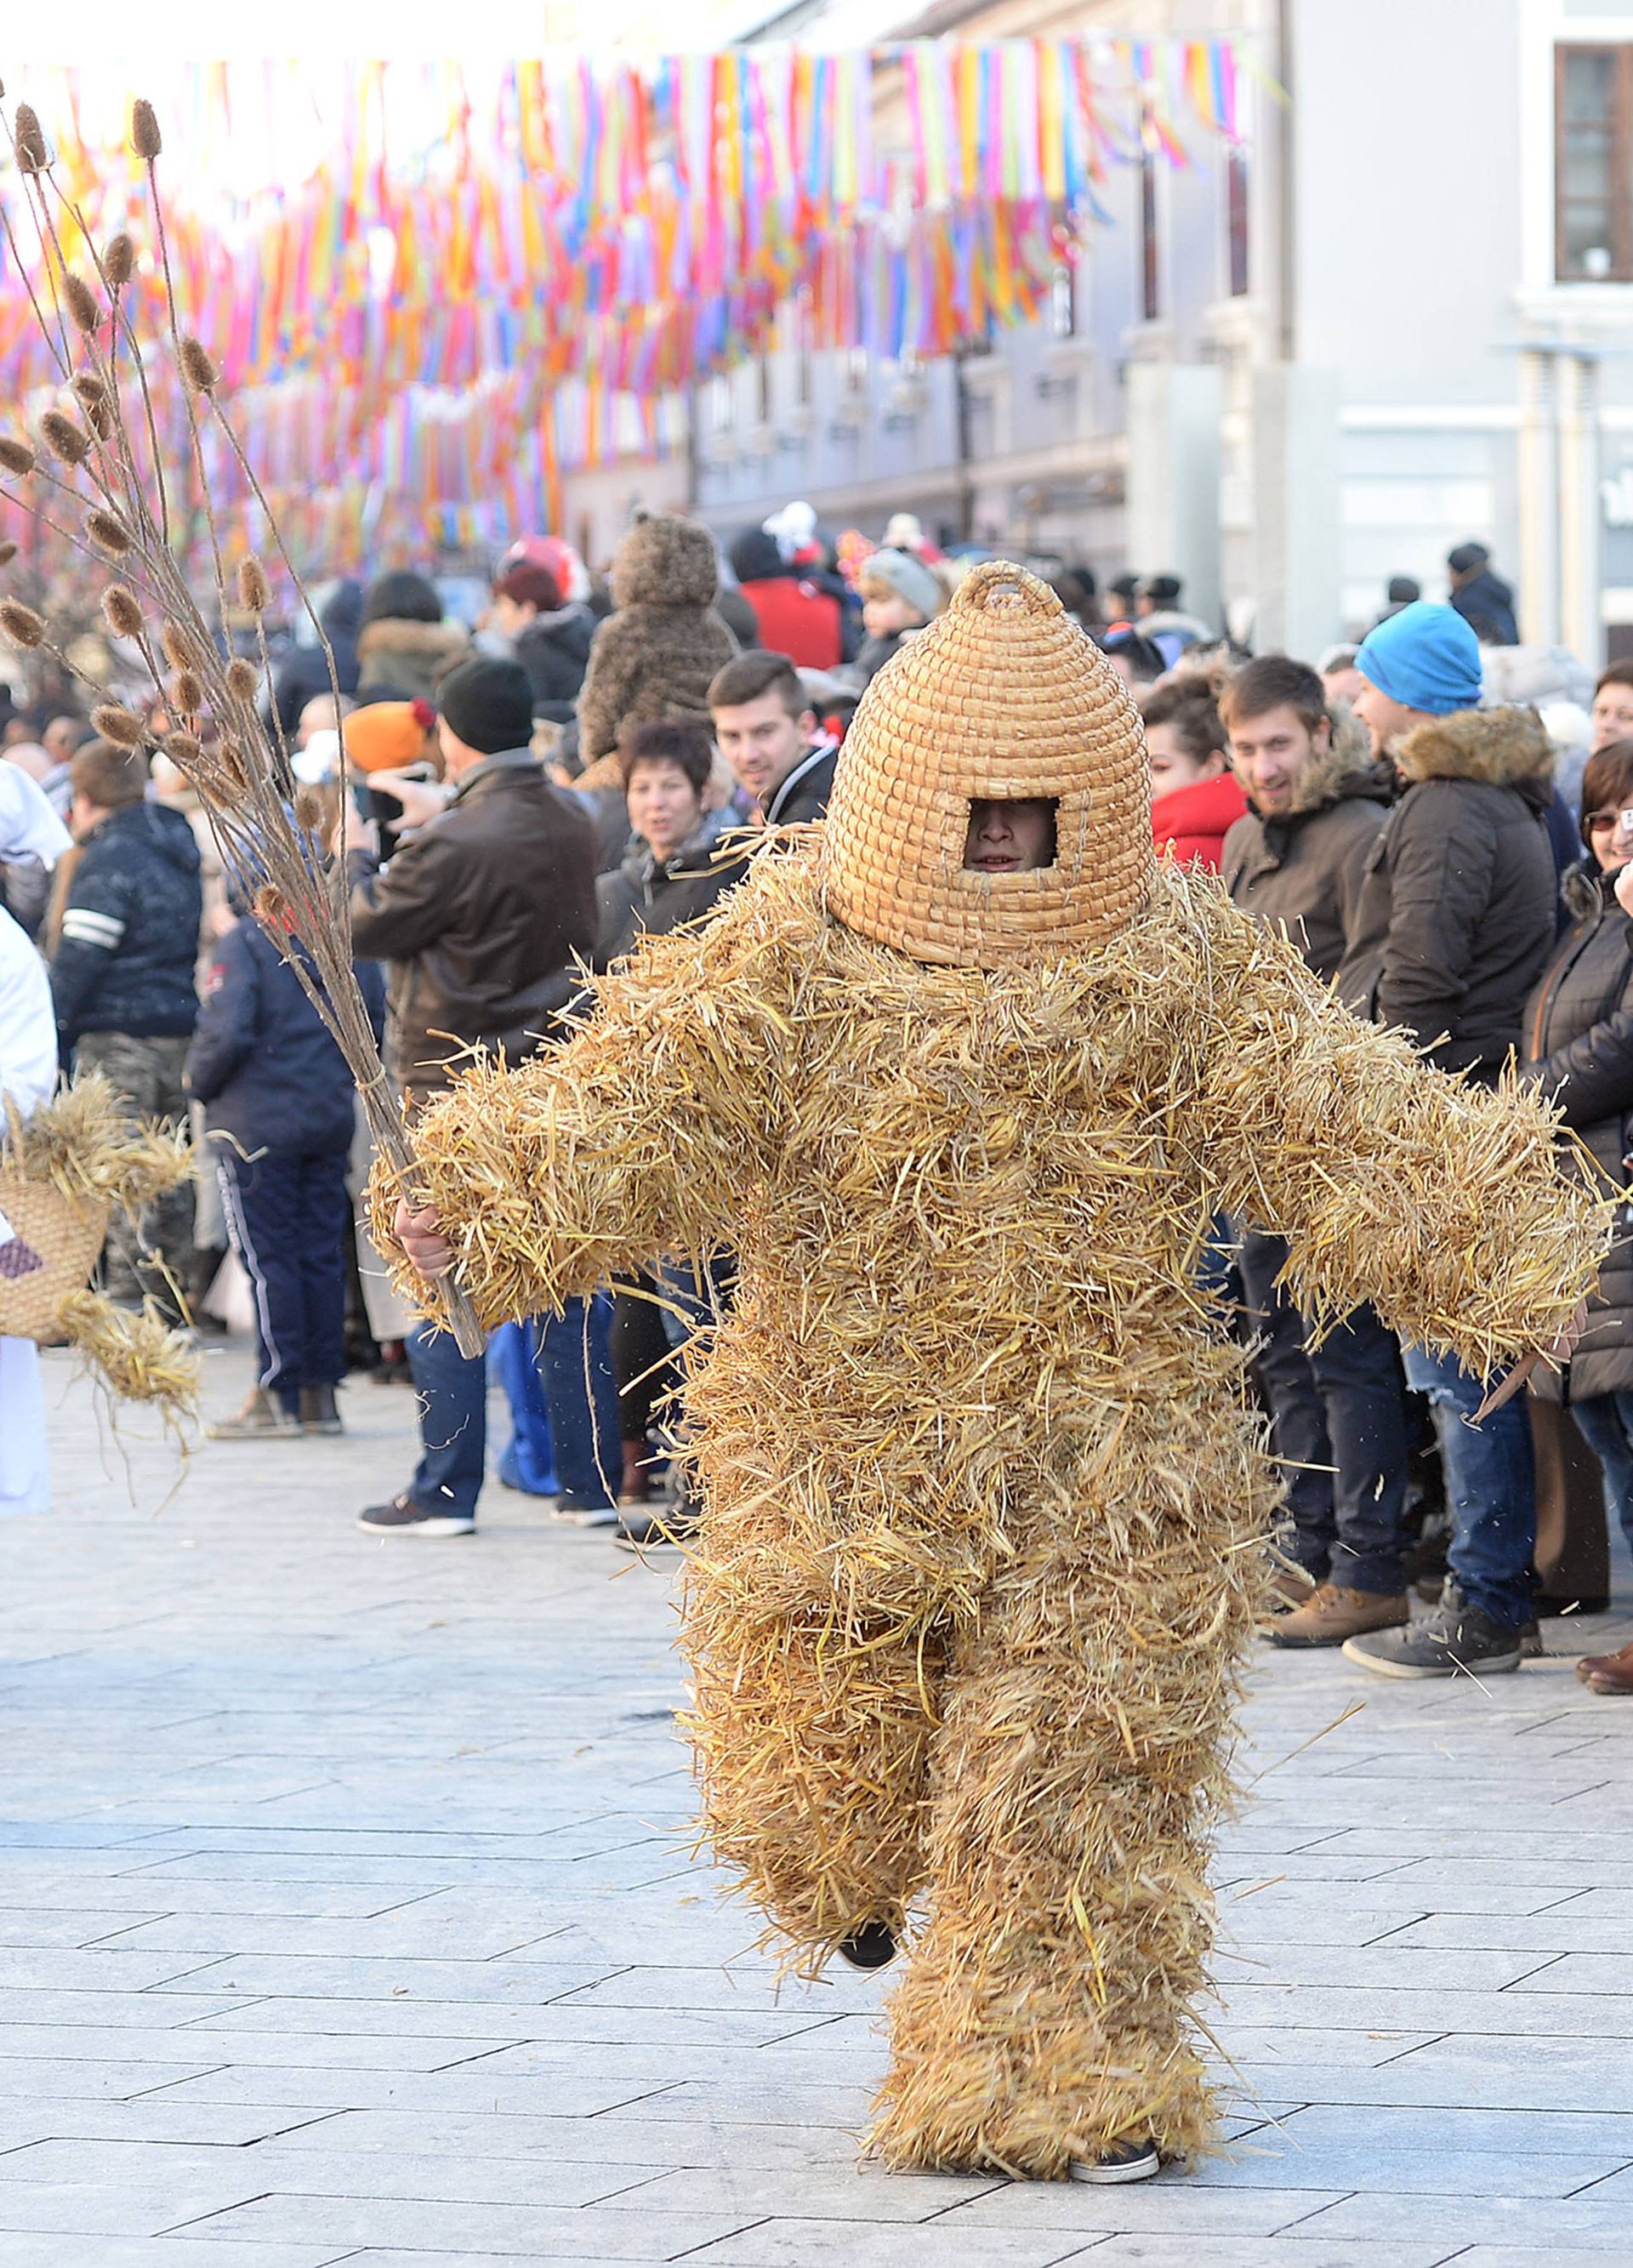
x=1593, y=164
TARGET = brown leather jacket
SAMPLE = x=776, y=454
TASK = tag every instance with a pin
x=480, y=916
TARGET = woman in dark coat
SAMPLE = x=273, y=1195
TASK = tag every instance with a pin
x=672, y=872
x=676, y=871
x=1579, y=1048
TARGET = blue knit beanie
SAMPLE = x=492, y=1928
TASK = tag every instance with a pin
x=1426, y=656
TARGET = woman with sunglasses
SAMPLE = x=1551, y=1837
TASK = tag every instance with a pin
x=1578, y=1040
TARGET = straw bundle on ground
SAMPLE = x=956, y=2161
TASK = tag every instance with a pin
x=62, y=1172
x=982, y=1489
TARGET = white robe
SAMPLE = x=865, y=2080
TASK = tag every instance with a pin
x=27, y=1073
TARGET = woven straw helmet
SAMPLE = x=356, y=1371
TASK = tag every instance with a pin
x=1002, y=697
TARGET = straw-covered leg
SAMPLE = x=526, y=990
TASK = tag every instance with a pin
x=812, y=1746
x=1043, y=2016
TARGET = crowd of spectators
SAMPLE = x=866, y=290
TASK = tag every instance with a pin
x=1438, y=816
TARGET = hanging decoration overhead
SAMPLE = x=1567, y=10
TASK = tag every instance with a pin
x=436, y=280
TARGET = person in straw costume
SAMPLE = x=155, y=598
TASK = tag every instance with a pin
x=963, y=1075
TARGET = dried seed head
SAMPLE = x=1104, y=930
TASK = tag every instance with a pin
x=243, y=679
x=197, y=366
x=120, y=725
x=33, y=157
x=120, y=611
x=254, y=590
x=271, y=905
x=182, y=748
x=188, y=693
x=21, y=624
x=63, y=438
x=107, y=530
x=145, y=137
x=8, y=552
x=180, y=649
x=81, y=301
x=230, y=758
x=16, y=456
x=309, y=810
x=119, y=261
x=92, y=397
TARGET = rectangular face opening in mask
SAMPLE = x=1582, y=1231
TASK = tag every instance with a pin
x=1010, y=837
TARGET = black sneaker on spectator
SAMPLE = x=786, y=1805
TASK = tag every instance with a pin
x=1124, y=2162
x=405, y=1515
x=1446, y=1643
x=661, y=1526
x=1531, y=1645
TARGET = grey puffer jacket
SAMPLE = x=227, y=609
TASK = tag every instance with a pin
x=1302, y=873
x=1455, y=915
x=1579, y=1046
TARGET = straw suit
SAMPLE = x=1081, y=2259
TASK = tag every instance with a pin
x=984, y=1491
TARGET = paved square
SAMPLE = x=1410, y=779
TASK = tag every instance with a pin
x=346, y=1913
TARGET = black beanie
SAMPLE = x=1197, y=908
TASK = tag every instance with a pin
x=488, y=704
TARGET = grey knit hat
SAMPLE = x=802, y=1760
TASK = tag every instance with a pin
x=908, y=577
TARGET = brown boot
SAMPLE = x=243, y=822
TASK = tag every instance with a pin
x=1289, y=1586
x=1608, y=1673
x=1332, y=1613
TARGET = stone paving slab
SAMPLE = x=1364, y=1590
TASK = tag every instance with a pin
x=348, y=1914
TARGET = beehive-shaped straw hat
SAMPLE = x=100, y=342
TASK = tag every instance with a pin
x=1004, y=698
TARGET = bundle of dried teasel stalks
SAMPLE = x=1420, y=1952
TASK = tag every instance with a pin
x=93, y=471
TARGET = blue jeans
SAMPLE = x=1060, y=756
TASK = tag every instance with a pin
x=583, y=1425
x=1490, y=1486
x=1606, y=1423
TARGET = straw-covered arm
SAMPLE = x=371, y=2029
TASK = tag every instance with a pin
x=1441, y=1203
x=645, y=1134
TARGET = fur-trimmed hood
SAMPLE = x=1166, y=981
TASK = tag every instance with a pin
x=1506, y=748
x=1345, y=768
x=427, y=642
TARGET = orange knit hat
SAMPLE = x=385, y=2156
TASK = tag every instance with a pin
x=387, y=734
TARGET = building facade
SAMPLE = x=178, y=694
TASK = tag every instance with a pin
x=1395, y=315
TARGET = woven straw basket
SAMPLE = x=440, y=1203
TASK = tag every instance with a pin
x=1002, y=696
x=67, y=1236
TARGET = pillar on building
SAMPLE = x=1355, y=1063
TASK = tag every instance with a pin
x=1539, y=497
x=1581, y=598
x=1172, y=480
x=1295, y=510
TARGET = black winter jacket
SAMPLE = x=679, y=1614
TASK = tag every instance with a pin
x=646, y=897
x=805, y=793
x=1578, y=1046
x=267, y=1072
x=130, y=939
x=555, y=651
x=303, y=672
x=1487, y=605
x=1455, y=915
x=1303, y=873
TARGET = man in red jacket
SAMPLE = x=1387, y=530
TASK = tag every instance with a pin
x=1195, y=798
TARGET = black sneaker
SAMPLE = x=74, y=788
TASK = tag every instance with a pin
x=1446, y=1643
x=1124, y=2162
x=1531, y=1645
x=405, y=1516
x=873, y=1945
x=664, y=1527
